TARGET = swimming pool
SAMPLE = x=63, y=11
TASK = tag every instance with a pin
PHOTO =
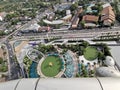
x=69, y=72
x=33, y=70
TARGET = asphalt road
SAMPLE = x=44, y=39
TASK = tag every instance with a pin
x=89, y=33
x=14, y=69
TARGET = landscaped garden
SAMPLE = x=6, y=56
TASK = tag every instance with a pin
x=91, y=53
x=51, y=66
x=83, y=57
x=30, y=67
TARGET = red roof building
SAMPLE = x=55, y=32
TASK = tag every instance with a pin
x=90, y=18
x=108, y=16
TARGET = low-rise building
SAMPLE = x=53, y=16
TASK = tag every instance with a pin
x=42, y=29
x=90, y=21
x=75, y=19
x=50, y=16
x=90, y=18
x=2, y=15
x=67, y=18
x=68, y=12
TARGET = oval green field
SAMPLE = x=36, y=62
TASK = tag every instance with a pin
x=51, y=66
x=91, y=53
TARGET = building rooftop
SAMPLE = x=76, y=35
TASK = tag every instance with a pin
x=66, y=17
x=90, y=18
x=108, y=15
x=55, y=22
x=109, y=61
x=106, y=5
x=107, y=72
x=108, y=10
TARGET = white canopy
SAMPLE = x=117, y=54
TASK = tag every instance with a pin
x=55, y=22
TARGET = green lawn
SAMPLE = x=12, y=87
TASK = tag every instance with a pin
x=90, y=53
x=51, y=71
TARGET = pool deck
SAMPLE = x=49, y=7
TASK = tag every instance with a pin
x=87, y=61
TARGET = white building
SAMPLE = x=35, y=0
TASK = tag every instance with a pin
x=107, y=72
x=68, y=12
x=2, y=15
x=54, y=22
x=109, y=61
x=1, y=19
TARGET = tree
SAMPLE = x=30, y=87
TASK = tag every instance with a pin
x=14, y=22
x=3, y=68
x=4, y=54
x=2, y=33
x=101, y=56
x=82, y=66
x=82, y=24
x=1, y=60
x=85, y=74
x=77, y=75
x=106, y=50
x=2, y=47
x=10, y=16
x=39, y=56
x=74, y=7
x=85, y=44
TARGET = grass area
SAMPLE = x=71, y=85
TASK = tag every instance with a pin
x=51, y=66
x=90, y=53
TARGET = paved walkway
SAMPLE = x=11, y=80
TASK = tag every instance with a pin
x=87, y=61
x=39, y=68
x=32, y=57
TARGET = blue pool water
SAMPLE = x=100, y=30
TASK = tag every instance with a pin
x=54, y=54
x=33, y=70
x=70, y=66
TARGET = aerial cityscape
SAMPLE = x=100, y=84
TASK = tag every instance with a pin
x=66, y=40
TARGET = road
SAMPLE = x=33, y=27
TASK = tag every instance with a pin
x=14, y=69
x=65, y=34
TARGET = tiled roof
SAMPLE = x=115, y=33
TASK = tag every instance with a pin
x=90, y=18
x=108, y=13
